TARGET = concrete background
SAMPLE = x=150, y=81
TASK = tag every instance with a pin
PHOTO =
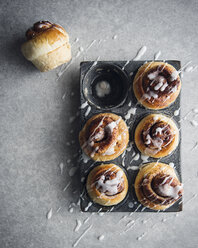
x=36, y=134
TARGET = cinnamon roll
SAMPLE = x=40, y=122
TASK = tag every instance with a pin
x=47, y=45
x=156, y=85
x=104, y=137
x=157, y=186
x=156, y=136
x=107, y=184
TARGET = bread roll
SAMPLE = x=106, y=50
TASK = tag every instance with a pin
x=47, y=46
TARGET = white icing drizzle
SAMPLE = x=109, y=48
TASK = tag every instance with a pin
x=153, y=75
x=141, y=236
x=195, y=110
x=103, y=88
x=81, y=49
x=140, y=53
x=164, y=87
x=172, y=164
x=125, y=64
x=168, y=190
x=88, y=206
x=133, y=167
x=49, y=214
x=174, y=75
x=157, y=55
x=176, y=112
x=110, y=186
x=88, y=111
x=149, y=95
x=61, y=165
x=66, y=187
x=78, y=225
x=130, y=112
x=137, y=156
x=85, y=104
x=85, y=158
x=144, y=158
x=101, y=237
x=188, y=68
x=90, y=45
x=71, y=210
x=81, y=236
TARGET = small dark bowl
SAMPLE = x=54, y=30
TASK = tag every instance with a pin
x=117, y=80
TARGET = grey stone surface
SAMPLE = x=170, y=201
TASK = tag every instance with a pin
x=35, y=128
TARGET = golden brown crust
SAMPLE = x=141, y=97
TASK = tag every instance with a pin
x=156, y=136
x=100, y=194
x=104, y=137
x=47, y=48
x=157, y=186
x=156, y=85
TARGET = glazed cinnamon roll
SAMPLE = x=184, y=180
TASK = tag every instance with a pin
x=107, y=184
x=104, y=137
x=156, y=136
x=156, y=85
x=157, y=186
x=47, y=45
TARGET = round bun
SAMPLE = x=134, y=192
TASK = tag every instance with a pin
x=47, y=46
x=156, y=85
x=107, y=184
x=156, y=136
x=157, y=186
x=104, y=137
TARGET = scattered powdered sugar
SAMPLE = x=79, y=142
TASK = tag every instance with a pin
x=49, y=214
